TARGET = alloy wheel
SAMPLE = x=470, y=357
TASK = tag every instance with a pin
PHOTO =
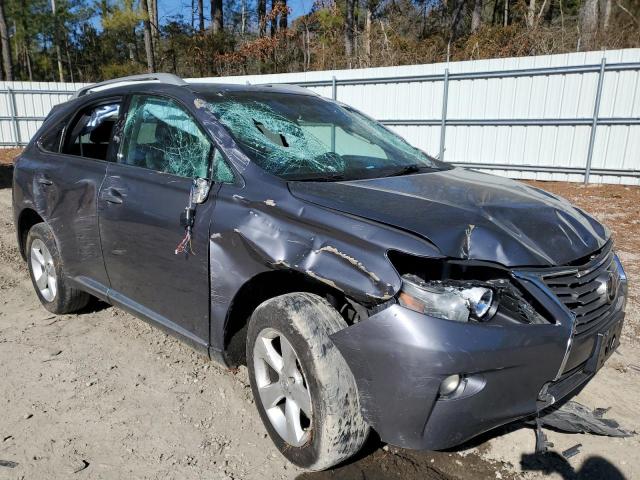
x=282, y=387
x=44, y=271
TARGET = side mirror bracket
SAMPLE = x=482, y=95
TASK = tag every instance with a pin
x=200, y=190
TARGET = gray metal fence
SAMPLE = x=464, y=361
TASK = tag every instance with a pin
x=593, y=122
x=427, y=121
x=23, y=107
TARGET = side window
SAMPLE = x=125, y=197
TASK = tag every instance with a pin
x=220, y=171
x=52, y=138
x=90, y=134
x=160, y=135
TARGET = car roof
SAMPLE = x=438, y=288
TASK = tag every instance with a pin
x=211, y=87
x=179, y=87
x=164, y=82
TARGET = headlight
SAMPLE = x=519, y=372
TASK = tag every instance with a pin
x=448, y=301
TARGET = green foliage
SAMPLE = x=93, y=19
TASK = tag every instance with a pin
x=100, y=39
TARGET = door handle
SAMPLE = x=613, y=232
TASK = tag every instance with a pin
x=112, y=195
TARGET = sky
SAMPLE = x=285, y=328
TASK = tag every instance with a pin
x=172, y=8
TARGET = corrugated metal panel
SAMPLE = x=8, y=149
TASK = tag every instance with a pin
x=518, y=97
x=29, y=103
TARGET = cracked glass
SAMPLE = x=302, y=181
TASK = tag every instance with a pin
x=160, y=135
x=302, y=137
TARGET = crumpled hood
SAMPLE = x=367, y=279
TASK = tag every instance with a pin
x=469, y=215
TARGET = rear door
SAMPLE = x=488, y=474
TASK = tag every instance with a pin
x=69, y=173
x=162, y=149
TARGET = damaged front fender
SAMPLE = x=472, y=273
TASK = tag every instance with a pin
x=252, y=234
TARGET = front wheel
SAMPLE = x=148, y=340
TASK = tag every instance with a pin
x=304, y=390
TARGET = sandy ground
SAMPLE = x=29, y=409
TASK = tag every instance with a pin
x=103, y=395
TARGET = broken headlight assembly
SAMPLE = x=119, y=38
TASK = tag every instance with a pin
x=448, y=300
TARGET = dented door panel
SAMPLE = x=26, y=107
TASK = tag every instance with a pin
x=140, y=229
x=63, y=191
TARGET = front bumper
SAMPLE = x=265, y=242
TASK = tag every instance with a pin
x=400, y=357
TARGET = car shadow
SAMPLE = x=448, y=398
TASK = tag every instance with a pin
x=594, y=467
x=377, y=461
x=94, y=305
x=6, y=175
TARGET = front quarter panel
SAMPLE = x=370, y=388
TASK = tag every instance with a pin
x=254, y=232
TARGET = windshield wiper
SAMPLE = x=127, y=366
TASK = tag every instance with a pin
x=409, y=169
x=324, y=177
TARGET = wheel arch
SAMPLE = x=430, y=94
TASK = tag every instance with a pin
x=27, y=218
x=259, y=288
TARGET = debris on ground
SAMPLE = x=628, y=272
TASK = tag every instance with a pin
x=543, y=445
x=82, y=467
x=572, y=452
x=8, y=464
x=573, y=417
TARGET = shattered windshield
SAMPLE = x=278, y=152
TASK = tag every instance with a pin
x=304, y=137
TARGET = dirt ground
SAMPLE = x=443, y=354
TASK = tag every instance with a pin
x=102, y=394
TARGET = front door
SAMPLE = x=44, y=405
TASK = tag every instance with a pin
x=162, y=149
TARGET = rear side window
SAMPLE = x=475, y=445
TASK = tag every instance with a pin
x=52, y=138
x=160, y=135
x=90, y=134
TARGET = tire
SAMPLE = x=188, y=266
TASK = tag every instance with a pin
x=334, y=430
x=43, y=260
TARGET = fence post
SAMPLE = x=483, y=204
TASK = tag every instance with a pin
x=334, y=96
x=594, y=124
x=443, y=122
x=14, y=120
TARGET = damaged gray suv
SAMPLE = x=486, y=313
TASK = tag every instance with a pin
x=364, y=284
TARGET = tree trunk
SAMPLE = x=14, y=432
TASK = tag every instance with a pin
x=68, y=55
x=284, y=20
x=506, y=12
x=243, y=22
x=455, y=22
x=201, y=15
x=155, y=26
x=367, y=32
x=273, y=26
x=606, y=14
x=217, y=20
x=56, y=40
x=531, y=13
x=262, y=21
x=7, y=64
x=476, y=16
x=589, y=16
x=28, y=63
x=349, y=15
x=148, y=46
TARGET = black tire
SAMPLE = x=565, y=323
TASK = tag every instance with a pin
x=337, y=430
x=67, y=299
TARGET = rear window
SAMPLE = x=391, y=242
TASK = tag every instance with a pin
x=52, y=138
x=90, y=133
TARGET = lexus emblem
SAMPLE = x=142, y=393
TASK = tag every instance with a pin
x=608, y=285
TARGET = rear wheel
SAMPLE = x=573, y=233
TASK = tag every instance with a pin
x=304, y=390
x=47, y=274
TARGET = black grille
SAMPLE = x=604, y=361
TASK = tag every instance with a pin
x=583, y=288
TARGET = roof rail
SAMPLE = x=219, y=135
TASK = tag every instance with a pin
x=169, y=78
x=288, y=86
